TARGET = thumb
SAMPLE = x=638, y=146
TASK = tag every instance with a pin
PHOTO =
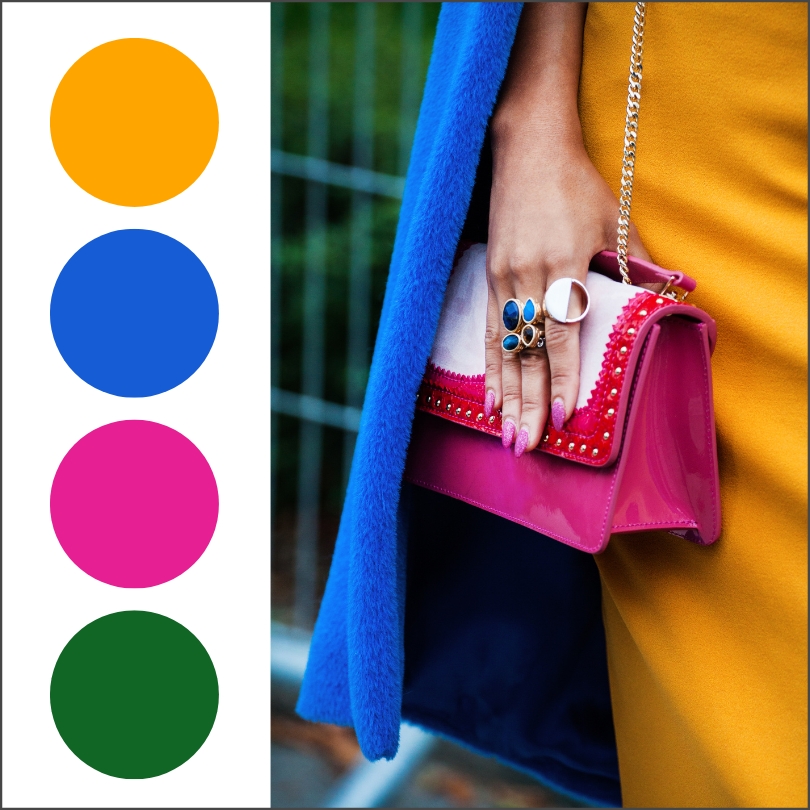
x=635, y=247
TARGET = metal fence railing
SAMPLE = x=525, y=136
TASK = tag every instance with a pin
x=347, y=82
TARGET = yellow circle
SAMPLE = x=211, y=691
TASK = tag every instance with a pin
x=134, y=122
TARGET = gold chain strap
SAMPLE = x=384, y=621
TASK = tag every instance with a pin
x=630, y=136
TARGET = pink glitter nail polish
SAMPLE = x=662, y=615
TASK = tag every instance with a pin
x=489, y=404
x=558, y=414
x=508, y=432
x=522, y=441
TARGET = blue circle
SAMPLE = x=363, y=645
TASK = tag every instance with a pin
x=134, y=313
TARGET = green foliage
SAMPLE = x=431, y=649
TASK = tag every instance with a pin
x=391, y=141
x=387, y=69
x=387, y=118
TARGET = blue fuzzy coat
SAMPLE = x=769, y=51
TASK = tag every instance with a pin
x=502, y=646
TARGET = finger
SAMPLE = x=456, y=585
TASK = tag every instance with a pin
x=511, y=382
x=511, y=386
x=493, y=351
x=562, y=346
x=535, y=393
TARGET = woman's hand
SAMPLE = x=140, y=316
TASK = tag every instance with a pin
x=550, y=213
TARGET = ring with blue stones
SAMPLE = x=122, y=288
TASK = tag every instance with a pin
x=532, y=312
x=512, y=343
x=529, y=337
x=532, y=337
x=512, y=315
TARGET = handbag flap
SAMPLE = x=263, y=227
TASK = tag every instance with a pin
x=611, y=339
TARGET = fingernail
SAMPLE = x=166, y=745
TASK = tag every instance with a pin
x=489, y=403
x=508, y=432
x=522, y=441
x=558, y=413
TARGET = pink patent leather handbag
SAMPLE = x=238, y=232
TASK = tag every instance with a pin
x=639, y=452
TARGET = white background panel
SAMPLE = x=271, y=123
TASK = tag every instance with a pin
x=224, y=408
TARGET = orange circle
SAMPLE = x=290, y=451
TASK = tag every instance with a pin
x=134, y=122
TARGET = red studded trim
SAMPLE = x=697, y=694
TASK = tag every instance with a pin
x=458, y=398
x=589, y=435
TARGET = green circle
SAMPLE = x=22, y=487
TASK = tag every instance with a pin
x=134, y=694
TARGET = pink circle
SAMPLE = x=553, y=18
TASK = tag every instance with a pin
x=134, y=504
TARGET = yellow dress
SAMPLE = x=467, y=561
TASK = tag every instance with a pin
x=707, y=647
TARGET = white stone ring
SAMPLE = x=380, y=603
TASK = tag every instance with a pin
x=558, y=296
